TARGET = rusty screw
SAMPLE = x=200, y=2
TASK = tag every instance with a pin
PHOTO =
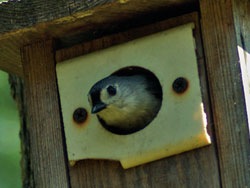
x=80, y=115
x=180, y=85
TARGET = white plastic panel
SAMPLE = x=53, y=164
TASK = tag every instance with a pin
x=181, y=122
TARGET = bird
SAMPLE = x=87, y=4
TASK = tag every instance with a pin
x=126, y=102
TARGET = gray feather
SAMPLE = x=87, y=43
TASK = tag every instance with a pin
x=132, y=108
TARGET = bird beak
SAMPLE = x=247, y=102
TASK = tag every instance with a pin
x=98, y=107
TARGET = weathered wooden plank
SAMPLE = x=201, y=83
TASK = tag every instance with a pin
x=197, y=168
x=10, y=59
x=226, y=90
x=114, y=39
x=48, y=163
x=21, y=14
x=241, y=11
x=23, y=22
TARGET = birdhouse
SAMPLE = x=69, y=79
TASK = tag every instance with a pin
x=193, y=53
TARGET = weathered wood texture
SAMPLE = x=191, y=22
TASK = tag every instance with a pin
x=48, y=161
x=225, y=24
x=241, y=11
x=26, y=21
x=226, y=90
x=111, y=40
x=197, y=168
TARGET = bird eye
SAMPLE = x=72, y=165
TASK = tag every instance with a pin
x=111, y=90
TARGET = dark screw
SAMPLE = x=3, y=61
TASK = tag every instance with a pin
x=80, y=115
x=180, y=85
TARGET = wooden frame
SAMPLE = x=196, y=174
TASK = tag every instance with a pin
x=226, y=91
x=224, y=26
x=80, y=174
x=23, y=23
x=45, y=133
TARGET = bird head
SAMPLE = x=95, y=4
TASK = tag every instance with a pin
x=105, y=94
x=124, y=104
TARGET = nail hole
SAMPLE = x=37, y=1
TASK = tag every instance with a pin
x=80, y=115
x=180, y=85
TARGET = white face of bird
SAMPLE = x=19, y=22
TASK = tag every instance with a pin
x=108, y=97
x=118, y=93
x=111, y=95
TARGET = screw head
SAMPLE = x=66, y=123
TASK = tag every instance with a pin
x=180, y=85
x=80, y=115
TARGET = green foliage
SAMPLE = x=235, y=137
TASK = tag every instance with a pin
x=10, y=171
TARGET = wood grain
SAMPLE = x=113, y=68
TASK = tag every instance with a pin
x=226, y=90
x=24, y=22
x=18, y=15
x=241, y=11
x=48, y=162
x=115, y=39
x=197, y=168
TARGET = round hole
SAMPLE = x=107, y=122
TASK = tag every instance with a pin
x=180, y=85
x=146, y=97
x=80, y=115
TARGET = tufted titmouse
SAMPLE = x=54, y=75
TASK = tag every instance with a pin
x=126, y=103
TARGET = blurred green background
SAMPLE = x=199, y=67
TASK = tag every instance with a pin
x=10, y=170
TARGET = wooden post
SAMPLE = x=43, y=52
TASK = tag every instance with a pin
x=48, y=161
x=226, y=90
